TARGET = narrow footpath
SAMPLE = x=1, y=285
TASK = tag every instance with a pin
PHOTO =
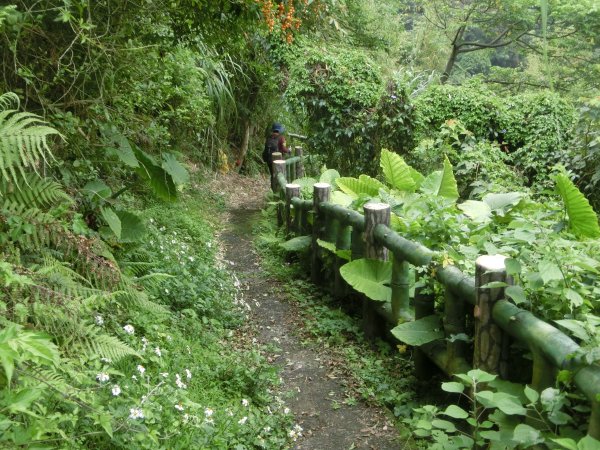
x=316, y=395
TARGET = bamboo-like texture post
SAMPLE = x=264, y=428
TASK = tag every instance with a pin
x=298, y=151
x=488, y=336
x=279, y=167
x=400, y=284
x=375, y=214
x=321, y=193
x=424, y=306
x=291, y=191
x=454, y=323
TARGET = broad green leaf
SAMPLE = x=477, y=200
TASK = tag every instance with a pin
x=444, y=425
x=516, y=294
x=344, y=254
x=513, y=267
x=330, y=176
x=576, y=327
x=112, y=220
x=297, y=244
x=479, y=212
x=456, y=412
x=527, y=435
x=567, y=443
x=125, y=152
x=420, y=331
x=370, y=277
x=582, y=218
x=453, y=386
x=441, y=182
x=481, y=376
x=132, y=227
x=588, y=443
x=97, y=189
x=396, y=171
x=506, y=403
x=159, y=179
x=174, y=168
x=363, y=185
x=549, y=271
x=503, y=203
x=339, y=198
x=575, y=300
x=416, y=176
x=531, y=394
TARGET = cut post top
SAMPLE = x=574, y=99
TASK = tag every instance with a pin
x=279, y=161
x=322, y=185
x=491, y=263
x=292, y=186
x=376, y=206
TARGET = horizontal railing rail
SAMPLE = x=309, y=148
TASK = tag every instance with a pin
x=495, y=318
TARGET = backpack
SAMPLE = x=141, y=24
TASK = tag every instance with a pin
x=271, y=146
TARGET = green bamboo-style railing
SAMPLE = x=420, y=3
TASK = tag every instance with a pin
x=495, y=318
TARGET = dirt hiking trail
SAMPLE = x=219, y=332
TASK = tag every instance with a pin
x=316, y=395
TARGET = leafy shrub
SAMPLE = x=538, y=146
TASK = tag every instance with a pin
x=337, y=90
x=538, y=131
x=479, y=165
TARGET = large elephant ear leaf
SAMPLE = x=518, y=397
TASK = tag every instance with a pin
x=174, y=168
x=397, y=173
x=369, y=276
x=371, y=186
x=159, y=179
x=583, y=221
x=329, y=176
x=441, y=182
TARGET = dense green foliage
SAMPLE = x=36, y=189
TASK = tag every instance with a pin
x=107, y=108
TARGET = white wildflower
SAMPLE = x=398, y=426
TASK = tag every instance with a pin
x=286, y=410
x=99, y=320
x=167, y=291
x=169, y=338
x=164, y=374
x=129, y=329
x=179, y=407
x=245, y=402
x=208, y=412
x=295, y=432
x=188, y=374
x=136, y=413
x=102, y=377
x=157, y=351
x=186, y=417
x=180, y=384
x=106, y=360
x=116, y=390
x=141, y=369
x=133, y=377
x=243, y=420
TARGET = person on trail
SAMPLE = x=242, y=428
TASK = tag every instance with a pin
x=275, y=143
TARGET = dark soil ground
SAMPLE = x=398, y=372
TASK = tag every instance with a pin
x=316, y=390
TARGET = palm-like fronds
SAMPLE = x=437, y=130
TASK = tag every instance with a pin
x=23, y=139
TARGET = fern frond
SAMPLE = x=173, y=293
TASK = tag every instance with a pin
x=133, y=299
x=33, y=191
x=23, y=140
x=8, y=100
x=153, y=280
x=76, y=337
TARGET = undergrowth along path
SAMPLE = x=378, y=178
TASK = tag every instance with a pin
x=313, y=392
